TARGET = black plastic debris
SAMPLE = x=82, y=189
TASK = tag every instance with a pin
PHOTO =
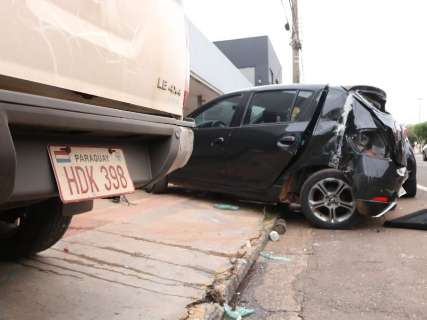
x=416, y=220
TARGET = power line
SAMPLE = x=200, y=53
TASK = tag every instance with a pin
x=285, y=13
x=294, y=21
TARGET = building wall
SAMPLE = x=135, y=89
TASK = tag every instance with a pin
x=211, y=71
x=254, y=52
x=274, y=64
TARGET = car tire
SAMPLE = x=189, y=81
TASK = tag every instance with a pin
x=410, y=187
x=328, y=202
x=40, y=227
x=159, y=187
x=424, y=156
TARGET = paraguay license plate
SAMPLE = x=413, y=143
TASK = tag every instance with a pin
x=84, y=173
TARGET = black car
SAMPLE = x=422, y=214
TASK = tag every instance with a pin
x=333, y=151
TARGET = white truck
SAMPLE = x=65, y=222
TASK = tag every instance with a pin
x=91, y=100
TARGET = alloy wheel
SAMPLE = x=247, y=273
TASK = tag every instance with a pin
x=331, y=200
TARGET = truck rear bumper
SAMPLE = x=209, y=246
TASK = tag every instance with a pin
x=153, y=145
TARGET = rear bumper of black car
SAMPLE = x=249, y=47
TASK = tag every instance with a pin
x=376, y=185
x=375, y=209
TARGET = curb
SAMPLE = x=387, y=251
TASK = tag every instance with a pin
x=223, y=288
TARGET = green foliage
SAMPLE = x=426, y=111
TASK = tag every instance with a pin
x=418, y=133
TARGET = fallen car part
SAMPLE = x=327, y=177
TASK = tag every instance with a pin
x=416, y=220
x=280, y=226
x=274, y=236
x=225, y=206
x=238, y=313
x=271, y=256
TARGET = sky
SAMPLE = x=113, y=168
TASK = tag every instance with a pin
x=344, y=42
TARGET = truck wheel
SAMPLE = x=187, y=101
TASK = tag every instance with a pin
x=327, y=200
x=159, y=187
x=37, y=228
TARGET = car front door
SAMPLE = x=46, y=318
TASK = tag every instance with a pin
x=214, y=123
x=269, y=137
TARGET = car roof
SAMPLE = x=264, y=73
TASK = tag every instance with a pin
x=272, y=87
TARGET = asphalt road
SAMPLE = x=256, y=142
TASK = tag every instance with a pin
x=368, y=273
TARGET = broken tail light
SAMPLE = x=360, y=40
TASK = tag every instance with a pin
x=371, y=143
x=381, y=199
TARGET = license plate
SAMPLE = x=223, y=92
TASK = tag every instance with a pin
x=84, y=173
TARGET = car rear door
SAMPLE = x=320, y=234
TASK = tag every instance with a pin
x=271, y=132
x=214, y=125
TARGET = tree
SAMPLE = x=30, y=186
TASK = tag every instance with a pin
x=418, y=133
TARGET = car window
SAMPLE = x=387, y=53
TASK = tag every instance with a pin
x=270, y=107
x=334, y=103
x=220, y=114
x=304, y=106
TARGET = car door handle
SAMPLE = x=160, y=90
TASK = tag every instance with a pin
x=219, y=140
x=285, y=142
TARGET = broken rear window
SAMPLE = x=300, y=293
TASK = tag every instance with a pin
x=304, y=106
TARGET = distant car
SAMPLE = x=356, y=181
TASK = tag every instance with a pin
x=334, y=151
x=425, y=153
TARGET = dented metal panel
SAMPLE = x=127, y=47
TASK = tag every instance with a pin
x=130, y=51
x=344, y=114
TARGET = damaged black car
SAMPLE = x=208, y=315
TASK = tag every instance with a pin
x=333, y=152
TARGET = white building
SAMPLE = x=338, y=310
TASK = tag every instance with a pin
x=212, y=74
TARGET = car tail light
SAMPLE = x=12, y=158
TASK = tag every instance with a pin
x=370, y=143
x=381, y=199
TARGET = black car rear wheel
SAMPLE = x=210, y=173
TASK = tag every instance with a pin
x=425, y=156
x=27, y=231
x=327, y=200
x=410, y=187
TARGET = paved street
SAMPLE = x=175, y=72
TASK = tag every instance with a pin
x=150, y=259
x=367, y=273
x=422, y=171
x=145, y=261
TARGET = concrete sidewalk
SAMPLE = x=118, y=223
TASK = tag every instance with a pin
x=147, y=260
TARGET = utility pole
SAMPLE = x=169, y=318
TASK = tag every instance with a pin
x=295, y=43
x=420, y=103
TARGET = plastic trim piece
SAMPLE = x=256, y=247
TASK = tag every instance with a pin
x=390, y=207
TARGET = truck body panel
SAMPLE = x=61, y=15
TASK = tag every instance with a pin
x=127, y=54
